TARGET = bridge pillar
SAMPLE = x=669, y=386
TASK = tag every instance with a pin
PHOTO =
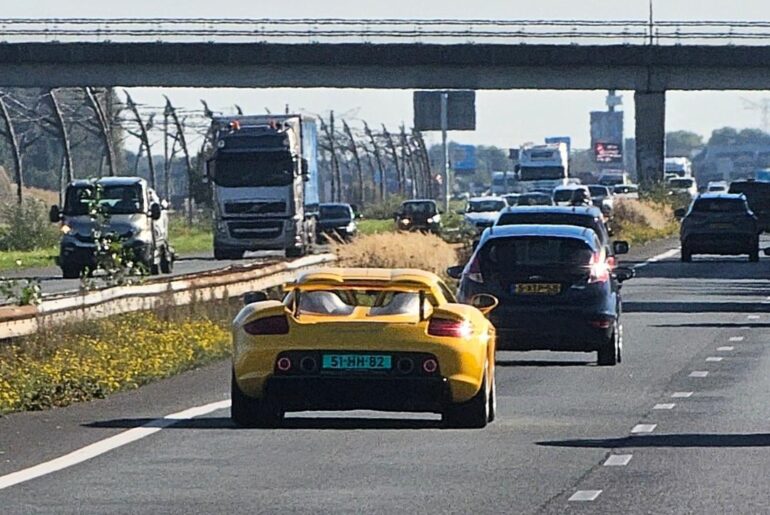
x=650, y=110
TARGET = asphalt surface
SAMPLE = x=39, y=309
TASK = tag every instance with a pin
x=560, y=420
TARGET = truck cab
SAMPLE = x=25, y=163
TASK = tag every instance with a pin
x=133, y=214
x=264, y=177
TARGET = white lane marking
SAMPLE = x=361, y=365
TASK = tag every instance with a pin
x=736, y=338
x=585, y=495
x=665, y=405
x=108, y=444
x=714, y=359
x=726, y=348
x=699, y=373
x=753, y=317
x=643, y=428
x=618, y=460
x=659, y=257
x=681, y=395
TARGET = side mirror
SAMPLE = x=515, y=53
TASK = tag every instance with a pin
x=679, y=213
x=164, y=204
x=623, y=273
x=455, y=272
x=155, y=211
x=484, y=302
x=54, y=215
x=254, y=296
x=621, y=247
x=305, y=168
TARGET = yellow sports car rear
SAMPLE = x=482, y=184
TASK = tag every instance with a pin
x=343, y=339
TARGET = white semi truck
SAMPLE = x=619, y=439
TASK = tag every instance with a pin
x=542, y=167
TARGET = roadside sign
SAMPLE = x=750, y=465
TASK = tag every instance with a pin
x=464, y=159
x=461, y=110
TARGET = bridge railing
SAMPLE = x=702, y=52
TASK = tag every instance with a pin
x=338, y=30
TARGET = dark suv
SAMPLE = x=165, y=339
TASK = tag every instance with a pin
x=719, y=223
x=418, y=215
x=757, y=194
x=556, y=288
x=589, y=217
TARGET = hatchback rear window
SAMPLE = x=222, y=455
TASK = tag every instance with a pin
x=535, y=251
x=562, y=195
x=718, y=205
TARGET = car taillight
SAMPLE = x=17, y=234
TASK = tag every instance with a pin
x=445, y=327
x=600, y=269
x=612, y=262
x=474, y=270
x=268, y=325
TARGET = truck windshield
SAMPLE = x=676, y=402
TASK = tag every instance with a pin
x=115, y=200
x=254, y=170
x=537, y=173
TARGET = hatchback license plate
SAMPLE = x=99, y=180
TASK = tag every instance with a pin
x=356, y=362
x=537, y=288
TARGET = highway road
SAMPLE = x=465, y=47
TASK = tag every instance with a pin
x=681, y=426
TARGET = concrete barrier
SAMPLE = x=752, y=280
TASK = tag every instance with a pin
x=221, y=284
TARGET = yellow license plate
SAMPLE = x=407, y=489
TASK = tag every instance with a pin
x=537, y=288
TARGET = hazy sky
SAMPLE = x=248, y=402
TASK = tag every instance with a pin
x=504, y=118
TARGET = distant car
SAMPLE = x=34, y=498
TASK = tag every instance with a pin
x=562, y=195
x=601, y=196
x=337, y=220
x=758, y=196
x=682, y=186
x=556, y=288
x=719, y=223
x=716, y=187
x=534, y=199
x=588, y=217
x=511, y=198
x=418, y=215
x=481, y=212
x=630, y=191
x=364, y=338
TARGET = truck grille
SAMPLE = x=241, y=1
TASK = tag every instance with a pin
x=254, y=208
x=256, y=230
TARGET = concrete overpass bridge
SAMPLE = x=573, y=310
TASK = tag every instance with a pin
x=648, y=58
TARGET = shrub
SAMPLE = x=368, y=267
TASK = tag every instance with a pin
x=397, y=250
x=640, y=221
x=26, y=226
x=383, y=210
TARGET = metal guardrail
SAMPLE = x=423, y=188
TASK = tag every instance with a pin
x=340, y=30
x=227, y=283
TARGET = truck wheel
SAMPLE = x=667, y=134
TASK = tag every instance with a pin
x=227, y=254
x=296, y=252
x=167, y=261
x=70, y=271
x=246, y=411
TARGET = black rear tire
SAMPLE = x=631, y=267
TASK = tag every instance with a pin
x=246, y=411
x=473, y=414
x=167, y=261
x=686, y=254
x=71, y=271
x=609, y=354
x=754, y=255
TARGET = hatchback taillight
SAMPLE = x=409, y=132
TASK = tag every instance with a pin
x=445, y=327
x=268, y=325
x=600, y=269
x=474, y=270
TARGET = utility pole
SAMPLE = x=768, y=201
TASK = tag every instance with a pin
x=11, y=133
x=445, y=148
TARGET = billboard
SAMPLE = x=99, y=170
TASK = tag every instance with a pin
x=461, y=110
x=607, y=136
x=463, y=159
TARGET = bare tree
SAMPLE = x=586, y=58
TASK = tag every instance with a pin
x=394, y=157
x=354, y=149
x=183, y=144
x=10, y=133
x=105, y=126
x=143, y=136
x=378, y=158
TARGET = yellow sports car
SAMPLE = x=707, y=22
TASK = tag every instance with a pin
x=363, y=338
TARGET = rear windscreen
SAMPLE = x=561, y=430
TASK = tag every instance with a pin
x=535, y=251
x=547, y=219
x=719, y=206
x=562, y=195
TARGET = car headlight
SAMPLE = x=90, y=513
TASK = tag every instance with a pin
x=405, y=221
x=434, y=219
x=65, y=229
x=351, y=227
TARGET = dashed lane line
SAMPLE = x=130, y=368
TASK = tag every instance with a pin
x=753, y=317
x=681, y=395
x=659, y=257
x=665, y=405
x=643, y=428
x=585, y=495
x=699, y=373
x=726, y=348
x=108, y=444
x=714, y=359
x=737, y=338
x=618, y=460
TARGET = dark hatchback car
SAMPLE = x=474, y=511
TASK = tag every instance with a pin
x=719, y=223
x=588, y=217
x=337, y=221
x=757, y=194
x=556, y=288
x=418, y=215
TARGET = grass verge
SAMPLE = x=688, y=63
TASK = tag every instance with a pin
x=372, y=226
x=93, y=359
x=10, y=259
x=185, y=239
x=641, y=221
